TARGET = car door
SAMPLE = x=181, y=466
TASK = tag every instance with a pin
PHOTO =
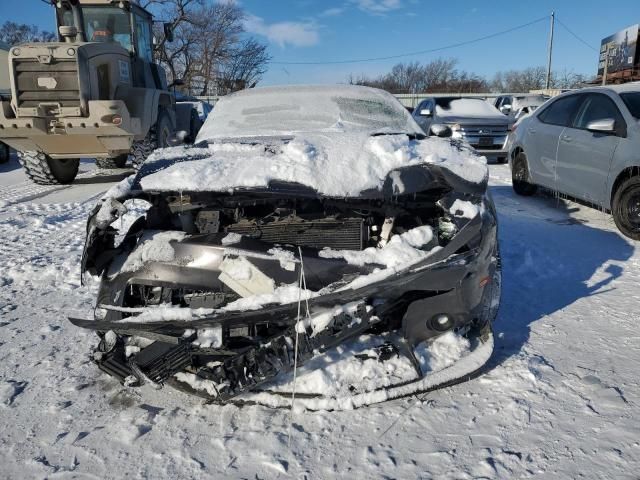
x=424, y=121
x=543, y=135
x=584, y=156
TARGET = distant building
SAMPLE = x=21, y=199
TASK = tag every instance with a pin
x=4, y=67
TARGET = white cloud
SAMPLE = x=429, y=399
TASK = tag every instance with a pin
x=298, y=34
x=378, y=6
x=332, y=12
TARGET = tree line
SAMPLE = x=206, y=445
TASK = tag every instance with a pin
x=443, y=76
x=210, y=51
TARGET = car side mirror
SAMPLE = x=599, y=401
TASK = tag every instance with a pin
x=506, y=109
x=426, y=112
x=442, y=131
x=178, y=82
x=606, y=125
x=168, y=31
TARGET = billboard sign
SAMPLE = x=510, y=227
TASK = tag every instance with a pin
x=622, y=50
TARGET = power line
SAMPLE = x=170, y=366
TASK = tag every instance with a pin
x=576, y=36
x=421, y=52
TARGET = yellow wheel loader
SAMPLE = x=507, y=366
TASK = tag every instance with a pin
x=96, y=93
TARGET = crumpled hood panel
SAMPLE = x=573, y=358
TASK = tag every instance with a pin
x=333, y=165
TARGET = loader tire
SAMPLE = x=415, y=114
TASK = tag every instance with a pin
x=45, y=170
x=4, y=153
x=158, y=137
x=110, y=163
x=194, y=126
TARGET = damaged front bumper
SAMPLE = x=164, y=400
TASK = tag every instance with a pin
x=451, y=289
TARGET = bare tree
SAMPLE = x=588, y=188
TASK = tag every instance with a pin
x=439, y=75
x=244, y=68
x=534, y=78
x=210, y=51
x=13, y=33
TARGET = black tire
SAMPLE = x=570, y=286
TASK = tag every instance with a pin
x=110, y=163
x=520, y=176
x=158, y=137
x=194, y=126
x=45, y=170
x=4, y=153
x=626, y=208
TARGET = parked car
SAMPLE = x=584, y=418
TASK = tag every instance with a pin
x=330, y=195
x=517, y=106
x=586, y=145
x=473, y=120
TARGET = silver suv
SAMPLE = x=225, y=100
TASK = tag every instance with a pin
x=471, y=119
x=586, y=145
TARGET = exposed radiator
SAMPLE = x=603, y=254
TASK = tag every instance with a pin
x=341, y=234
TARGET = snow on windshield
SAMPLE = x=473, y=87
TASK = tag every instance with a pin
x=465, y=107
x=285, y=111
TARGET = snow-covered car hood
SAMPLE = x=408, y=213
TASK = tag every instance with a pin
x=330, y=164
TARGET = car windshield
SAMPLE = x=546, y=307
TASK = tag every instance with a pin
x=465, y=107
x=286, y=111
x=104, y=24
x=632, y=101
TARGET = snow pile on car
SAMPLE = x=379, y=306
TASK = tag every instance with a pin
x=336, y=165
x=468, y=107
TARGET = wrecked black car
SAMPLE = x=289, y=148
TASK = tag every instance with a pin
x=303, y=219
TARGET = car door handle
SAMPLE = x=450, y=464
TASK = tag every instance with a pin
x=531, y=131
x=566, y=138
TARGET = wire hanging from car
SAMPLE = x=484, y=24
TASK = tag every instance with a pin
x=420, y=52
x=302, y=286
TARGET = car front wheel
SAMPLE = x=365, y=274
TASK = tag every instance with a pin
x=520, y=176
x=626, y=208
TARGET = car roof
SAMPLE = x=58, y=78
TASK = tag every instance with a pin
x=625, y=87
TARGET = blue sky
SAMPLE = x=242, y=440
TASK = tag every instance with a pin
x=326, y=30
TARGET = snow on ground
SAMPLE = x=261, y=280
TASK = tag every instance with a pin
x=560, y=398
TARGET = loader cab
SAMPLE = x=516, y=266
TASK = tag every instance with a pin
x=122, y=23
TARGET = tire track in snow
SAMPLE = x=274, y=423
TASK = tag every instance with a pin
x=42, y=243
x=28, y=190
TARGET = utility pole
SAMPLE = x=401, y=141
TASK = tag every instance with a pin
x=606, y=65
x=553, y=23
